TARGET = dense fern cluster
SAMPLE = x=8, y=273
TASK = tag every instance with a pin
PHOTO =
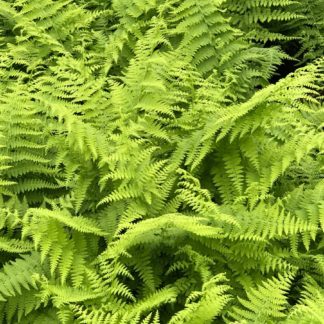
x=152, y=169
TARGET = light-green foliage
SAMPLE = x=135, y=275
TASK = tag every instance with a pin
x=151, y=172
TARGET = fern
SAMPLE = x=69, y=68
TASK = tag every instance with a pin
x=309, y=307
x=265, y=303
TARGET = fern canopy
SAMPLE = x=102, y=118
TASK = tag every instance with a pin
x=161, y=161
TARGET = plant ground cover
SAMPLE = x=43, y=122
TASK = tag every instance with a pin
x=161, y=161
